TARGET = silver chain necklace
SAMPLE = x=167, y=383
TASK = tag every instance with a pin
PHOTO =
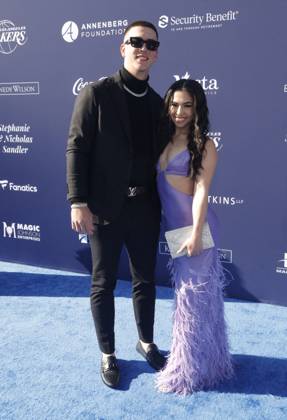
x=138, y=95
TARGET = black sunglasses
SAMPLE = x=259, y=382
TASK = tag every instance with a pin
x=138, y=42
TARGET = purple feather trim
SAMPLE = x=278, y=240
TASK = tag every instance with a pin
x=199, y=357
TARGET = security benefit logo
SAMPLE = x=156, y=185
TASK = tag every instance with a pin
x=196, y=21
x=282, y=265
x=11, y=36
x=21, y=231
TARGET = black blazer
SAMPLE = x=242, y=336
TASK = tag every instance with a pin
x=99, y=150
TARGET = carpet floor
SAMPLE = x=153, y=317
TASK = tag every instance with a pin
x=49, y=360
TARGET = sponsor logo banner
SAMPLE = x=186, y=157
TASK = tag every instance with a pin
x=225, y=255
x=281, y=267
x=11, y=36
x=20, y=88
x=209, y=85
x=163, y=248
x=21, y=231
x=224, y=200
x=198, y=22
x=13, y=137
x=5, y=185
x=71, y=31
x=217, y=139
x=80, y=84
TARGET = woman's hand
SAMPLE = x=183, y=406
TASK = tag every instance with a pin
x=193, y=245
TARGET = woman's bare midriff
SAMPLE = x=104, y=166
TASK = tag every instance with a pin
x=181, y=183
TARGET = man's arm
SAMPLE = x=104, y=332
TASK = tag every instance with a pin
x=82, y=132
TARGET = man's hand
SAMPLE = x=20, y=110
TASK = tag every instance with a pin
x=82, y=220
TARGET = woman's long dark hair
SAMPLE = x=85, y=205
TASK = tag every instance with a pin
x=199, y=126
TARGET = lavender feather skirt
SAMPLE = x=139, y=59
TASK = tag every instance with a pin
x=199, y=357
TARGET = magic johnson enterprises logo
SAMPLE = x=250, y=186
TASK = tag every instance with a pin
x=15, y=139
x=21, y=231
x=195, y=21
x=71, y=31
x=225, y=200
x=209, y=85
x=281, y=267
x=11, y=36
x=5, y=185
x=80, y=83
x=20, y=88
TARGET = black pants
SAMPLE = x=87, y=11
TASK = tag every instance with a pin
x=137, y=228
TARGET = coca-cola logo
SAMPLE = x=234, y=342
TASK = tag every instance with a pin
x=80, y=84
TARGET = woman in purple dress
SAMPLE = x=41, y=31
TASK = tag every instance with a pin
x=199, y=357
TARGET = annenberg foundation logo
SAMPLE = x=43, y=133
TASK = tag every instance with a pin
x=83, y=238
x=282, y=264
x=80, y=84
x=210, y=86
x=11, y=36
x=225, y=200
x=71, y=31
x=11, y=186
x=194, y=22
x=21, y=231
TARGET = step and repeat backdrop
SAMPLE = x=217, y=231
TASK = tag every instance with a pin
x=236, y=50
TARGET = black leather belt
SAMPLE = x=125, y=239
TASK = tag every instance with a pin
x=134, y=191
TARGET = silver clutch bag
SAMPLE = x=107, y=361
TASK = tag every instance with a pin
x=176, y=237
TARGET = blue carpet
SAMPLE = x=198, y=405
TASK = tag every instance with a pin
x=49, y=361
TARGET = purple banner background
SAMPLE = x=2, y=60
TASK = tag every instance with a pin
x=237, y=51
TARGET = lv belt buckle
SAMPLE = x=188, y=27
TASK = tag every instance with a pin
x=132, y=191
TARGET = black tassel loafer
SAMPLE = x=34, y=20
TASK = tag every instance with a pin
x=153, y=356
x=110, y=372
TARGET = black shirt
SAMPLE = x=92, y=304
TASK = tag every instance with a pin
x=141, y=129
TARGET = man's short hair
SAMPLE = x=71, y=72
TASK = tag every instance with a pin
x=141, y=23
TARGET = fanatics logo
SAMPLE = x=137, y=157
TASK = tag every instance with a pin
x=4, y=183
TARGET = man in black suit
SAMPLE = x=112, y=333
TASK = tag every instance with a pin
x=111, y=157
